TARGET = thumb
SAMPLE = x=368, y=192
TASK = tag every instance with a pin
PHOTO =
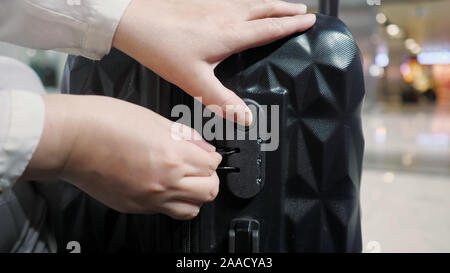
x=180, y=132
x=219, y=99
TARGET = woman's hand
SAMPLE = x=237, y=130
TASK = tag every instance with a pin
x=125, y=156
x=184, y=40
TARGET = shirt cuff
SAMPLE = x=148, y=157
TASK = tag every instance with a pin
x=76, y=27
x=103, y=19
x=27, y=114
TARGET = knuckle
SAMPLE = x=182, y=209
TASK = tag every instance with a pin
x=274, y=26
x=214, y=191
x=172, y=160
x=275, y=6
x=190, y=132
x=218, y=160
x=196, y=135
x=183, y=130
x=211, y=196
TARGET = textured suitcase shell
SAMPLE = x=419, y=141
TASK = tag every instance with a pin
x=310, y=198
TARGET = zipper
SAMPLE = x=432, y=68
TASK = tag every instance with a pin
x=186, y=236
x=190, y=235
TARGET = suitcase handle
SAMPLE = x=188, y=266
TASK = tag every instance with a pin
x=329, y=7
x=243, y=236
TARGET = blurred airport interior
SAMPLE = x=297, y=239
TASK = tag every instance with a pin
x=405, y=44
x=405, y=192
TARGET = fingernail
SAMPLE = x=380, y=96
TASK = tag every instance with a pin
x=244, y=115
x=240, y=114
x=248, y=117
x=303, y=8
x=310, y=17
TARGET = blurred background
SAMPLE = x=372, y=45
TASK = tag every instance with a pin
x=405, y=190
x=405, y=44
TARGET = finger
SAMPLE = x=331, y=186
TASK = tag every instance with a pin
x=250, y=2
x=263, y=31
x=276, y=9
x=181, y=209
x=182, y=132
x=198, y=189
x=200, y=157
x=220, y=99
x=200, y=162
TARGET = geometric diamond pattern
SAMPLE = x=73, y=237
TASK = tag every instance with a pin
x=327, y=143
x=322, y=73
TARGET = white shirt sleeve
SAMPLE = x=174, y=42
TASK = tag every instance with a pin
x=21, y=118
x=21, y=124
x=79, y=27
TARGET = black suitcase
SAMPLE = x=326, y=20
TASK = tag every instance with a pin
x=301, y=197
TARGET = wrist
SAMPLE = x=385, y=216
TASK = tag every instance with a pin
x=61, y=128
x=121, y=33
